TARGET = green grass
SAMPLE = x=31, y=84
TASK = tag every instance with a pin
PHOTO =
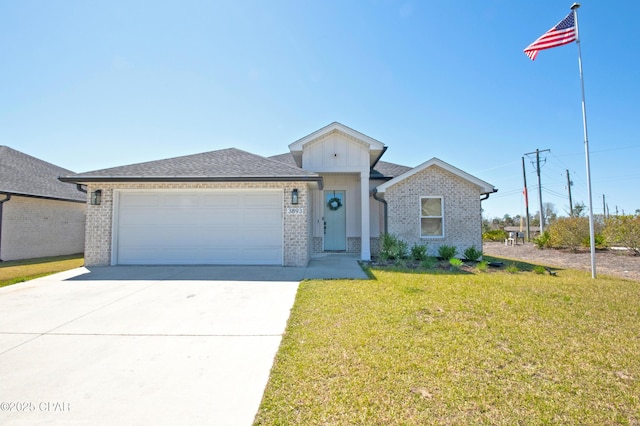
x=476, y=348
x=18, y=271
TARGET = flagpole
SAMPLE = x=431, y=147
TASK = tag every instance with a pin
x=592, y=239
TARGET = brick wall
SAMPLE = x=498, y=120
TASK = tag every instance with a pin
x=462, y=214
x=37, y=227
x=296, y=238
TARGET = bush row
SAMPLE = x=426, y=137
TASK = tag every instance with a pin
x=393, y=248
x=573, y=233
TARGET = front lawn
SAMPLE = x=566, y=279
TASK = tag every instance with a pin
x=17, y=271
x=481, y=348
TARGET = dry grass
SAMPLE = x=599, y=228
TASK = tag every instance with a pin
x=483, y=348
x=17, y=271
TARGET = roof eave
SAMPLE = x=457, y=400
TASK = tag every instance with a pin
x=121, y=179
x=42, y=197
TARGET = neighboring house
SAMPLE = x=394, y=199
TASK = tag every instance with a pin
x=329, y=193
x=39, y=215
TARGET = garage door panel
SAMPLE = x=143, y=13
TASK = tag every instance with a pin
x=175, y=236
x=262, y=200
x=200, y=228
x=183, y=256
x=181, y=236
x=260, y=233
x=220, y=200
x=140, y=200
x=267, y=217
x=254, y=256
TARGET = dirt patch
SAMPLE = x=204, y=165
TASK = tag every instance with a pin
x=616, y=263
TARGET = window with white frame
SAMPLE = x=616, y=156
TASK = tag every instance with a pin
x=431, y=217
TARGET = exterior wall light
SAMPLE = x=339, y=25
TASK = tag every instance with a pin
x=96, y=197
x=294, y=196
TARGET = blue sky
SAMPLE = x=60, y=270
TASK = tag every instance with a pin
x=89, y=85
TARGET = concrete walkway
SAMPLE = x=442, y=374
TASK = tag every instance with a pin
x=160, y=345
x=335, y=266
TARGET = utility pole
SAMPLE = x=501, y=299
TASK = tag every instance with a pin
x=526, y=199
x=537, y=153
x=604, y=208
x=569, y=183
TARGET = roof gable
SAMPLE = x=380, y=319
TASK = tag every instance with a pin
x=22, y=174
x=485, y=188
x=375, y=147
x=225, y=164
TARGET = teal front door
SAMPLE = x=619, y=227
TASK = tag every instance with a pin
x=335, y=221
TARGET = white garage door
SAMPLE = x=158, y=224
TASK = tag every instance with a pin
x=199, y=228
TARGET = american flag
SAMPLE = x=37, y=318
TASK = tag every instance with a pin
x=563, y=33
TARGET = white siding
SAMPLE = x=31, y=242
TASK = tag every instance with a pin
x=199, y=227
x=336, y=153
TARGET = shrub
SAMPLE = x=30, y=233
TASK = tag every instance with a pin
x=429, y=263
x=447, y=252
x=539, y=270
x=601, y=242
x=419, y=252
x=569, y=232
x=472, y=253
x=512, y=268
x=625, y=231
x=542, y=241
x=455, y=263
x=401, y=250
x=388, y=242
x=400, y=263
x=494, y=235
x=482, y=266
x=393, y=248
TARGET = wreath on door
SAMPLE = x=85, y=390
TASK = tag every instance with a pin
x=334, y=203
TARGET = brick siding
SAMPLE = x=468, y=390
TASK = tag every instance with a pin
x=462, y=210
x=38, y=227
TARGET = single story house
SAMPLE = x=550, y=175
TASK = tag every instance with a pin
x=329, y=193
x=39, y=215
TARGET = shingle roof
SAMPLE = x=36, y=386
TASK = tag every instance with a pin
x=286, y=158
x=382, y=169
x=22, y=174
x=224, y=164
x=391, y=169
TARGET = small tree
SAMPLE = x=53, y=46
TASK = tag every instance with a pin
x=579, y=209
x=624, y=230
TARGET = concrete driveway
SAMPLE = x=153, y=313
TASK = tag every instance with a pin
x=139, y=345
